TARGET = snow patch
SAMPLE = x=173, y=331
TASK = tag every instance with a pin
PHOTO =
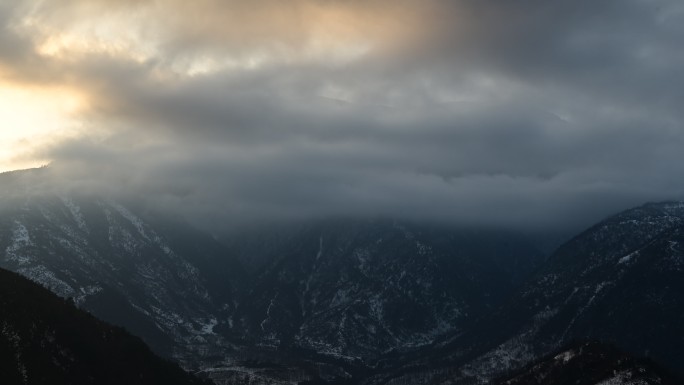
x=20, y=240
x=268, y=313
x=208, y=327
x=628, y=258
x=130, y=217
x=565, y=356
x=84, y=293
x=48, y=279
x=624, y=377
x=75, y=213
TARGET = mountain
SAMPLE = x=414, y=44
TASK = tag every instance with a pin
x=322, y=297
x=45, y=339
x=349, y=300
x=359, y=288
x=589, y=363
x=620, y=281
x=155, y=280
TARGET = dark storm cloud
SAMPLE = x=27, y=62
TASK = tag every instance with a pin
x=521, y=113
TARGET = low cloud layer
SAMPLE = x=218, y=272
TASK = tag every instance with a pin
x=521, y=113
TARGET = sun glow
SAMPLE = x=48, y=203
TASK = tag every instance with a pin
x=32, y=118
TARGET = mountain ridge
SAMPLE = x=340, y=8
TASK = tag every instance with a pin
x=619, y=281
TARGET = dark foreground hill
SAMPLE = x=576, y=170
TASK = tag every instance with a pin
x=45, y=339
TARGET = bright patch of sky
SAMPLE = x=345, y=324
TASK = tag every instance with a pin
x=32, y=117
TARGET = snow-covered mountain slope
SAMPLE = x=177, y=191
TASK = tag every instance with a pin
x=117, y=265
x=355, y=288
x=46, y=340
x=589, y=363
x=621, y=281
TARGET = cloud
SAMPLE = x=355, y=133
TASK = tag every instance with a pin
x=489, y=112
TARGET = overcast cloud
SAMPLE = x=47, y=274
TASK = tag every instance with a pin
x=525, y=113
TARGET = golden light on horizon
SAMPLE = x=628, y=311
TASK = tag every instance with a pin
x=31, y=118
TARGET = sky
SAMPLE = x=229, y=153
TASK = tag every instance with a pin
x=531, y=114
